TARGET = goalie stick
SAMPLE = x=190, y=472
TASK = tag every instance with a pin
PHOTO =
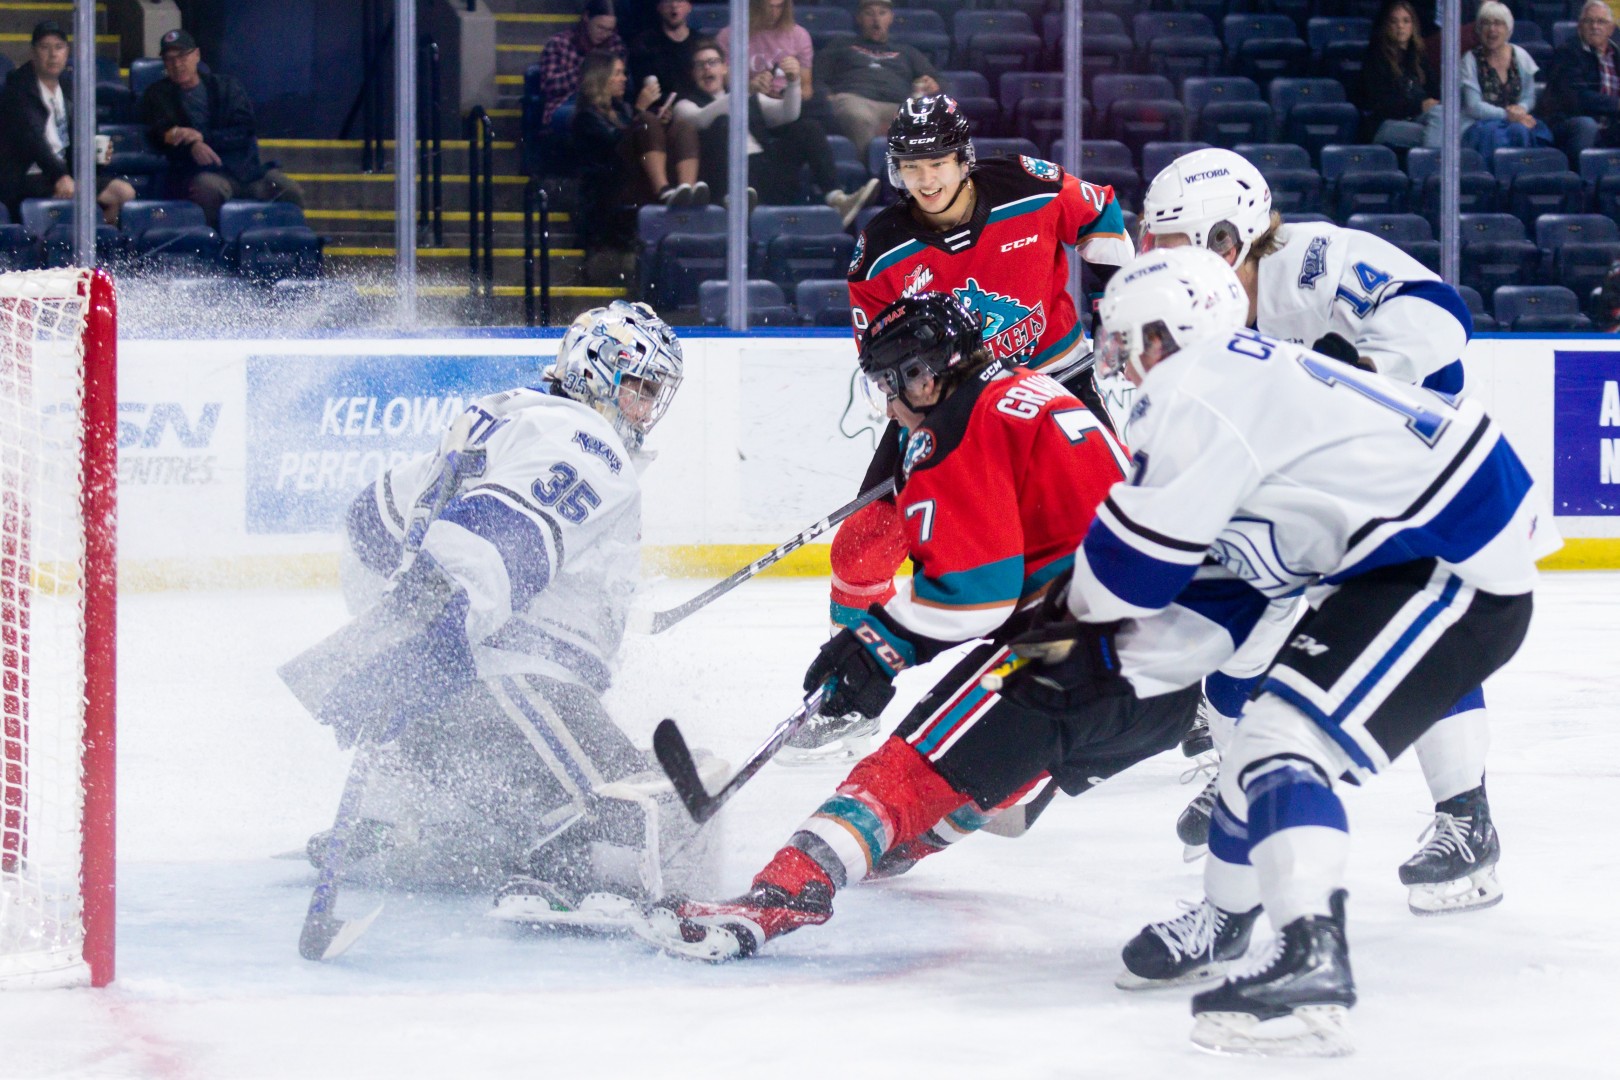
x=324, y=934
x=656, y=622
x=676, y=758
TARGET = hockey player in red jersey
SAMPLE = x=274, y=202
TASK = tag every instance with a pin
x=1002, y=474
x=992, y=235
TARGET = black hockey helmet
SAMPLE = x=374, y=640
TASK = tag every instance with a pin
x=916, y=336
x=932, y=125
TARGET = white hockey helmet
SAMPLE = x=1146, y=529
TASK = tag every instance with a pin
x=623, y=361
x=1214, y=197
x=1177, y=296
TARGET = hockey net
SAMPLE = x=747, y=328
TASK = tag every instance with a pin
x=58, y=458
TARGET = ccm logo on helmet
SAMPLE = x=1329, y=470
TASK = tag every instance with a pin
x=1025, y=242
x=1208, y=175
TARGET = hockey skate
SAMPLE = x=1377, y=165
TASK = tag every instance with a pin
x=534, y=902
x=1455, y=869
x=829, y=739
x=734, y=929
x=369, y=838
x=1192, y=827
x=1198, y=741
x=1294, y=1003
x=1195, y=947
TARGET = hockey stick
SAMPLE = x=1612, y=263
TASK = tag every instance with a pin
x=657, y=622
x=324, y=935
x=676, y=758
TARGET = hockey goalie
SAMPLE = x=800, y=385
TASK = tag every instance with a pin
x=491, y=581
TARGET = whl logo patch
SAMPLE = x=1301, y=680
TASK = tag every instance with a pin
x=917, y=281
x=1010, y=328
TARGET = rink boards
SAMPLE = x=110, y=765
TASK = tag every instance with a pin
x=237, y=458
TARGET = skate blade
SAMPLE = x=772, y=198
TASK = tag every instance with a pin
x=661, y=929
x=1309, y=1031
x=1193, y=852
x=599, y=913
x=1476, y=892
x=841, y=753
x=1125, y=980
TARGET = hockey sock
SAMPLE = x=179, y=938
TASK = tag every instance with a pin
x=1228, y=693
x=1299, y=838
x=1229, y=878
x=866, y=552
x=890, y=797
x=1452, y=752
x=791, y=870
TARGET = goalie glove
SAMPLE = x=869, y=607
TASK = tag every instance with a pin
x=858, y=666
x=1335, y=347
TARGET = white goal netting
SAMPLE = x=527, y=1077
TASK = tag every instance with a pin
x=42, y=627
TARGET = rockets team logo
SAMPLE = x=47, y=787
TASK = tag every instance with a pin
x=917, y=281
x=919, y=448
x=1040, y=170
x=1010, y=328
x=859, y=256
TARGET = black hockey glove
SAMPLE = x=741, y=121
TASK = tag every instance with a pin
x=858, y=665
x=1063, y=658
x=1337, y=348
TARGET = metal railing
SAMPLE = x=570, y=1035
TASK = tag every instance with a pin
x=374, y=35
x=429, y=145
x=479, y=131
x=536, y=204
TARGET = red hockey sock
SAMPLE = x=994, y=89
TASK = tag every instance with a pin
x=791, y=870
x=900, y=780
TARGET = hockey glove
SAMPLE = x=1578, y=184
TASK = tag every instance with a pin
x=1337, y=348
x=1070, y=663
x=858, y=666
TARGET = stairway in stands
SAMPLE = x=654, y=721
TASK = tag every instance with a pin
x=354, y=209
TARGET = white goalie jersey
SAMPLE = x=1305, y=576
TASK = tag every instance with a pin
x=1288, y=470
x=1327, y=279
x=545, y=540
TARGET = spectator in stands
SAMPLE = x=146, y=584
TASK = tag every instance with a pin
x=624, y=154
x=563, y=59
x=1603, y=306
x=1398, y=89
x=36, y=131
x=780, y=140
x=1498, y=89
x=1583, y=84
x=664, y=51
x=773, y=36
x=867, y=77
x=204, y=123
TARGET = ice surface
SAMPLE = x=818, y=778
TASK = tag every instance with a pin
x=993, y=960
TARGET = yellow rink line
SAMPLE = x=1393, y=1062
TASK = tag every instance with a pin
x=1585, y=554
x=677, y=560
x=101, y=39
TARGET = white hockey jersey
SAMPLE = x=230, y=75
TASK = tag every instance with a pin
x=1289, y=469
x=546, y=541
x=1327, y=279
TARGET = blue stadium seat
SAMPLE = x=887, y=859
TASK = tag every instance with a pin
x=1104, y=162
x=1564, y=31
x=1337, y=160
x=1536, y=181
x=970, y=83
x=824, y=22
x=1299, y=12
x=1581, y=267
x=1423, y=162
x=1286, y=93
x=1137, y=123
x=683, y=262
x=1495, y=253
x=268, y=241
x=1101, y=54
x=1512, y=161
x=1227, y=123
x=1341, y=61
x=16, y=246
x=1180, y=57
x=1553, y=231
x=822, y=301
x=1265, y=59
x=767, y=306
x=1157, y=155
x=1476, y=194
x=937, y=47
x=1513, y=303
x=1295, y=192
x=1484, y=322
x=1409, y=232
x=1372, y=192
x=115, y=103
x=965, y=24
x=1018, y=85
x=985, y=113
x=993, y=148
x=1100, y=153
x=1097, y=22
x=1527, y=30
x=1305, y=217
x=913, y=19
x=171, y=235
x=1040, y=120
x=1239, y=28
x=1147, y=26
x=1322, y=31
x=6, y=66
x=48, y=228
x=793, y=242
x=767, y=223
x=653, y=223
x=1597, y=166
x=1314, y=126
x=1199, y=92
x=1107, y=89
x=710, y=19
x=1265, y=156
x=143, y=72
x=998, y=53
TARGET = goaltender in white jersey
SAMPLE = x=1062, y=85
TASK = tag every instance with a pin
x=491, y=581
x=1359, y=299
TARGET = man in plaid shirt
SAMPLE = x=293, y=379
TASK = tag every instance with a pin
x=1583, y=85
x=564, y=55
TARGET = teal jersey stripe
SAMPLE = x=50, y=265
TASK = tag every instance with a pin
x=942, y=728
x=1056, y=349
x=1046, y=573
x=856, y=814
x=894, y=255
x=993, y=583
x=1020, y=207
x=1111, y=220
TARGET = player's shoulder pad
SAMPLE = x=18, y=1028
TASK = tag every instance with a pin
x=889, y=228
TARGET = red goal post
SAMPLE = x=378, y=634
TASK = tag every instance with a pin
x=58, y=596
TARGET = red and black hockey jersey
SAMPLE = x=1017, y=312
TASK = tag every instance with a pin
x=1006, y=262
x=997, y=489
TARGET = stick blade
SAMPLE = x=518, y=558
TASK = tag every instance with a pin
x=327, y=936
x=673, y=754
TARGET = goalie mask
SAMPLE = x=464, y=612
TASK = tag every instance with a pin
x=1213, y=197
x=1169, y=299
x=931, y=126
x=915, y=338
x=624, y=362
